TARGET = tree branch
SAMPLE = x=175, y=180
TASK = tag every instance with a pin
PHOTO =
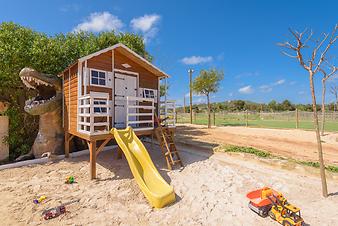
x=333, y=38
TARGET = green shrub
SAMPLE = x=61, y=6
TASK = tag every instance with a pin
x=249, y=150
x=22, y=131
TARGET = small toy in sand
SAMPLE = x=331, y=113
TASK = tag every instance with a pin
x=70, y=180
x=40, y=199
x=57, y=211
x=54, y=212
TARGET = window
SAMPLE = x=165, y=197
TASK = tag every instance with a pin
x=100, y=109
x=149, y=93
x=98, y=78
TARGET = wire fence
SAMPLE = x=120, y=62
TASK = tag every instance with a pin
x=288, y=119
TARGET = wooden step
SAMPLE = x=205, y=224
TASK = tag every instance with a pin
x=172, y=152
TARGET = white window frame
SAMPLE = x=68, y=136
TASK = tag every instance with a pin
x=100, y=102
x=150, y=94
x=105, y=77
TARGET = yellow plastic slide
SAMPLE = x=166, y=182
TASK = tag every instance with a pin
x=158, y=192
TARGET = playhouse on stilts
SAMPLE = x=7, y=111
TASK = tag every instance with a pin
x=116, y=88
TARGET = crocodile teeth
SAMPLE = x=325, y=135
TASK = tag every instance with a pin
x=27, y=84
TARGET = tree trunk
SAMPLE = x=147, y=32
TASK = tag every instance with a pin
x=323, y=106
x=336, y=102
x=209, y=111
x=319, y=143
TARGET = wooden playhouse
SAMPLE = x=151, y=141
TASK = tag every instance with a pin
x=111, y=88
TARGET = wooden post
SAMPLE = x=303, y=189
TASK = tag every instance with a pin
x=92, y=150
x=246, y=118
x=297, y=119
x=190, y=92
x=67, y=141
x=194, y=113
x=152, y=141
x=119, y=152
x=214, y=119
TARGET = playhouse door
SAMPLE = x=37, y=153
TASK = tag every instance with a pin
x=124, y=86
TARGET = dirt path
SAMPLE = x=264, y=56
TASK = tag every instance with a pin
x=297, y=144
x=210, y=191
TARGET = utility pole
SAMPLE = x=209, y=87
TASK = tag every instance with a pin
x=184, y=104
x=165, y=98
x=190, y=71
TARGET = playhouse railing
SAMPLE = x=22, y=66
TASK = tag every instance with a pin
x=168, y=110
x=93, y=113
x=140, y=113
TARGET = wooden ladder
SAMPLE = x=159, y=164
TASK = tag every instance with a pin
x=167, y=145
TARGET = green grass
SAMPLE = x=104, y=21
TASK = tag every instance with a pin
x=249, y=150
x=234, y=120
x=264, y=154
x=330, y=168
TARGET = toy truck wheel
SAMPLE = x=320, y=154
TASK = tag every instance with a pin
x=263, y=213
x=286, y=223
x=272, y=215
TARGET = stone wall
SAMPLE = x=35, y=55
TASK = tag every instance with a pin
x=4, y=150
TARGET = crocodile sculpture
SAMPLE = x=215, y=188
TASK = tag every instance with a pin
x=48, y=105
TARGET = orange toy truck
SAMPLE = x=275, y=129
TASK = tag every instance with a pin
x=266, y=201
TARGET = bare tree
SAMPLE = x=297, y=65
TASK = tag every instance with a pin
x=334, y=92
x=326, y=76
x=312, y=65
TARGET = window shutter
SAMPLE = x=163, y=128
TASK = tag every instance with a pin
x=110, y=79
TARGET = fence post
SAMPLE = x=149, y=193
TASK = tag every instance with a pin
x=297, y=119
x=214, y=119
x=246, y=118
x=194, y=114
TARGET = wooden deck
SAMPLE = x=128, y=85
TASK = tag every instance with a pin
x=92, y=141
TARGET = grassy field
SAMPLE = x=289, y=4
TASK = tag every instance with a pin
x=255, y=121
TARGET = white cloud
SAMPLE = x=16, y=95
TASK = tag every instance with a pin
x=231, y=94
x=193, y=60
x=265, y=88
x=246, y=90
x=268, y=88
x=279, y=82
x=144, y=23
x=97, y=22
x=147, y=25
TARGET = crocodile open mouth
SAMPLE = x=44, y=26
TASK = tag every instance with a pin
x=47, y=92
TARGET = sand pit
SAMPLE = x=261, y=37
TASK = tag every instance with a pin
x=210, y=191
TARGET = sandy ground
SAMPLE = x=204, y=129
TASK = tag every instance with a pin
x=210, y=191
x=297, y=144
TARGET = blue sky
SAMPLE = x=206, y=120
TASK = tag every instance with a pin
x=238, y=37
